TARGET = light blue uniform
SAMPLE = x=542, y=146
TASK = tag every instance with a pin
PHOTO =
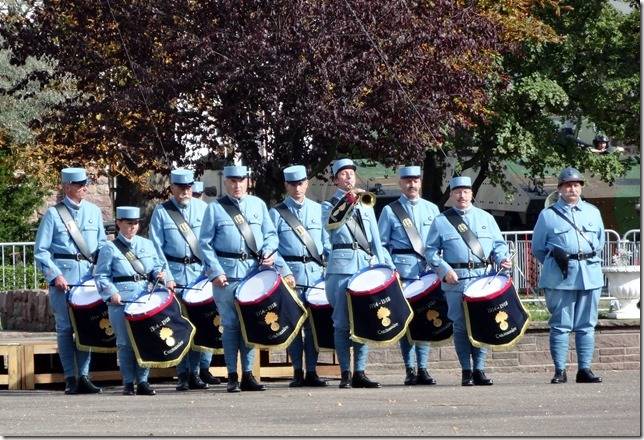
x=219, y=234
x=168, y=241
x=342, y=264
x=572, y=301
x=52, y=238
x=309, y=213
x=443, y=237
x=409, y=264
x=112, y=263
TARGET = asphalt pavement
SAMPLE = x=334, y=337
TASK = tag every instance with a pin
x=516, y=405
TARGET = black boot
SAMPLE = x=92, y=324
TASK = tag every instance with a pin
x=466, y=378
x=360, y=380
x=410, y=378
x=195, y=382
x=480, y=378
x=559, y=377
x=85, y=386
x=248, y=382
x=586, y=376
x=144, y=389
x=424, y=378
x=183, y=384
x=207, y=377
x=313, y=380
x=71, y=387
x=233, y=383
x=298, y=379
x=128, y=389
x=345, y=379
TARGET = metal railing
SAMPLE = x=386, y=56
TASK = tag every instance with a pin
x=18, y=267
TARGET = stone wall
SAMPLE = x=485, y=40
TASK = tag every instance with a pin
x=26, y=310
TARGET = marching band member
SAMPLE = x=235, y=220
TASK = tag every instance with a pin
x=404, y=226
x=298, y=221
x=354, y=246
x=567, y=240
x=67, y=243
x=174, y=230
x=237, y=235
x=118, y=280
x=462, y=242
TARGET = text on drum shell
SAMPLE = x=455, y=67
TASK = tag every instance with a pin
x=163, y=322
x=380, y=302
x=498, y=307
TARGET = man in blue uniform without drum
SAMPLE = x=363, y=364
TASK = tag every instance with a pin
x=349, y=254
x=67, y=243
x=462, y=242
x=408, y=257
x=230, y=255
x=117, y=281
x=567, y=240
x=298, y=221
x=178, y=248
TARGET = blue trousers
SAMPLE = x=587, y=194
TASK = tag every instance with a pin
x=303, y=344
x=414, y=354
x=232, y=338
x=572, y=310
x=130, y=369
x=71, y=358
x=468, y=355
x=190, y=363
x=336, y=287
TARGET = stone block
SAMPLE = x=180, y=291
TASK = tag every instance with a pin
x=611, y=351
x=626, y=339
x=527, y=347
x=377, y=355
x=535, y=358
x=632, y=350
x=503, y=355
x=448, y=354
x=503, y=362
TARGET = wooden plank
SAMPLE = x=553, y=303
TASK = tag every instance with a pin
x=13, y=353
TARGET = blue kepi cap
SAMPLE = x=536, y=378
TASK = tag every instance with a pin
x=460, y=182
x=236, y=171
x=182, y=177
x=197, y=187
x=342, y=164
x=409, y=171
x=128, y=213
x=295, y=173
x=72, y=175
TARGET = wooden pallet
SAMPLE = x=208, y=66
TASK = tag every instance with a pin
x=12, y=354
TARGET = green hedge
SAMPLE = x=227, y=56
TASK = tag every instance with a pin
x=20, y=277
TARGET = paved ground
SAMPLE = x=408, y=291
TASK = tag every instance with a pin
x=517, y=405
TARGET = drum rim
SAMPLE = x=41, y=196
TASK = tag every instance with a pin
x=151, y=312
x=198, y=303
x=365, y=269
x=429, y=291
x=387, y=283
x=491, y=295
x=85, y=306
x=278, y=281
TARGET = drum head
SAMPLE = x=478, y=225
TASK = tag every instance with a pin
x=420, y=286
x=148, y=302
x=486, y=286
x=85, y=294
x=258, y=285
x=370, y=278
x=316, y=295
x=199, y=292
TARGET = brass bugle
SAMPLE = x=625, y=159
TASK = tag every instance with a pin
x=343, y=210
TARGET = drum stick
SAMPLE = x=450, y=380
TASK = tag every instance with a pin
x=304, y=286
x=264, y=257
x=156, y=283
x=133, y=302
x=501, y=269
x=179, y=286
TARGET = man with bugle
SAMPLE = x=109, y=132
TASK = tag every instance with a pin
x=355, y=244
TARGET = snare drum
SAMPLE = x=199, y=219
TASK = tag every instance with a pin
x=427, y=300
x=159, y=333
x=202, y=311
x=270, y=313
x=320, y=314
x=90, y=320
x=378, y=311
x=494, y=315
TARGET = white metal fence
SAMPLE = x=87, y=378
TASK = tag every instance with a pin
x=18, y=267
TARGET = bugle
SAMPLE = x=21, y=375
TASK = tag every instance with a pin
x=343, y=210
x=551, y=199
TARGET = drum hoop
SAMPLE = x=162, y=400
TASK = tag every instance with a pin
x=154, y=311
x=198, y=303
x=319, y=306
x=491, y=295
x=375, y=289
x=278, y=281
x=430, y=290
x=85, y=306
